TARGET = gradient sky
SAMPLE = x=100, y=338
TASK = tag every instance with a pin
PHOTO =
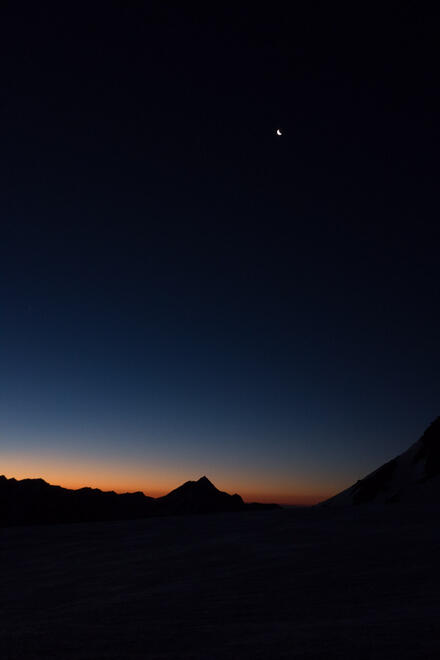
x=182, y=292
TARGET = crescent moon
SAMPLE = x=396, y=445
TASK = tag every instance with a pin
x=278, y=132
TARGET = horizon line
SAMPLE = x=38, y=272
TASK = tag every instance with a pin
x=248, y=497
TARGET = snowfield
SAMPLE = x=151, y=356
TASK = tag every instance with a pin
x=361, y=583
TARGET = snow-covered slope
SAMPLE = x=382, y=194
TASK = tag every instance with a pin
x=414, y=475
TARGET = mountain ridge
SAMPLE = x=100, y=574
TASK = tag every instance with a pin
x=30, y=501
x=412, y=476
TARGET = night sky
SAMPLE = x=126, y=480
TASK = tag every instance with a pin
x=182, y=291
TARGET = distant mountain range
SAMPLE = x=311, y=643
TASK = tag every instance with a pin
x=413, y=476
x=30, y=501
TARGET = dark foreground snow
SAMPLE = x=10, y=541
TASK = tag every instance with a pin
x=354, y=584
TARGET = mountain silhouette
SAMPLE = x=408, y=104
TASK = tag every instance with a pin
x=199, y=497
x=413, y=476
x=31, y=501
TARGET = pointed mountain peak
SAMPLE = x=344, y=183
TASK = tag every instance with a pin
x=202, y=485
x=204, y=481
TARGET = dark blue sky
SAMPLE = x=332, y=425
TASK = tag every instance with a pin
x=184, y=292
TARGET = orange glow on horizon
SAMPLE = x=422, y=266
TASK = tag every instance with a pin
x=158, y=480
x=298, y=499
